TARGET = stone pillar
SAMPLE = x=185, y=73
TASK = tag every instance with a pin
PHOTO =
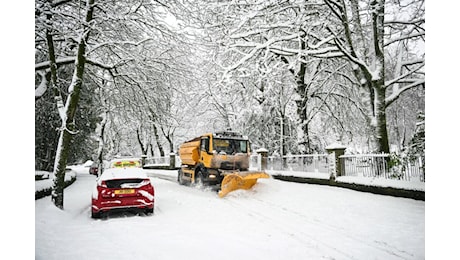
x=263, y=155
x=172, y=161
x=335, y=168
x=143, y=159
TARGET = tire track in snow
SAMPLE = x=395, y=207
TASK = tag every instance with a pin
x=293, y=230
x=376, y=244
x=289, y=230
x=320, y=226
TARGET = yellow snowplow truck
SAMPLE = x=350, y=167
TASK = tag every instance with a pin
x=218, y=159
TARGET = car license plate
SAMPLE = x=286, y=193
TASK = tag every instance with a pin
x=124, y=191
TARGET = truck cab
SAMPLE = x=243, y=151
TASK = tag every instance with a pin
x=225, y=151
x=206, y=159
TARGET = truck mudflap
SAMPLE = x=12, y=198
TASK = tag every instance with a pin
x=239, y=180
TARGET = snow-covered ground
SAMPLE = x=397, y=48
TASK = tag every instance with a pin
x=274, y=220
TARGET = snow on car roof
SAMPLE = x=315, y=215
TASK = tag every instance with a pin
x=123, y=173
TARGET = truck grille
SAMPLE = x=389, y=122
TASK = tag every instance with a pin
x=230, y=166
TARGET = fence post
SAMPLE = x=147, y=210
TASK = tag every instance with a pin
x=172, y=161
x=335, y=168
x=263, y=155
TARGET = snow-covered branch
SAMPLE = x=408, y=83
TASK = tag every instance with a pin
x=71, y=60
x=326, y=40
x=109, y=66
x=59, y=2
x=261, y=29
x=257, y=47
x=117, y=44
x=405, y=75
x=413, y=22
x=62, y=61
x=394, y=96
x=404, y=37
x=412, y=62
x=352, y=58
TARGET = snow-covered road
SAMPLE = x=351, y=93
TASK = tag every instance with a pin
x=274, y=220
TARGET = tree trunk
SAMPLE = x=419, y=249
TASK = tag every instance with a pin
x=62, y=153
x=157, y=138
x=368, y=69
x=100, y=148
x=302, y=91
x=381, y=132
x=152, y=152
x=68, y=125
x=145, y=148
x=169, y=135
x=283, y=134
x=170, y=141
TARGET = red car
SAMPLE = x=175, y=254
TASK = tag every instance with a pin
x=93, y=169
x=122, y=189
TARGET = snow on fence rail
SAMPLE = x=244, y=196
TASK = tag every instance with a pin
x=377, y=165
x=299, y=163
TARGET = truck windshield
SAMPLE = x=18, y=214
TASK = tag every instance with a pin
x=230, y=146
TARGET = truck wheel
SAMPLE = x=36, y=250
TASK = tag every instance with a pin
x=199, y=183
x=180, y=177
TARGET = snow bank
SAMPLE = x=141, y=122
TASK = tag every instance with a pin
x=369, y=181
x=48, y=183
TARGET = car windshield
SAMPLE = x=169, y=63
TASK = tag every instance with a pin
x=230, y=146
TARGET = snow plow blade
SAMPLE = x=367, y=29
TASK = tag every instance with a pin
x=240, y=180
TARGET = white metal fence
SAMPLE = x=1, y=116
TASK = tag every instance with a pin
x=299, y=163
x=157, y=161
x=378, y=165
x=162, y=161
x=359, y=165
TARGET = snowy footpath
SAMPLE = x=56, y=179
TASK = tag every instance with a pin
x=274, y=220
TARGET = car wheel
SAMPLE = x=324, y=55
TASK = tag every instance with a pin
x=149, y=211
x=96, y=215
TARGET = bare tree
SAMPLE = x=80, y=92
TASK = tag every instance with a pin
x=67, y=111
x=362, y=39
x=357, y=34
x=127, y=46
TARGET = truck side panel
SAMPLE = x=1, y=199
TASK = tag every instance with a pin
x=189, y=152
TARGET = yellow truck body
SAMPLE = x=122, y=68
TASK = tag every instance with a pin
x=218, y=159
